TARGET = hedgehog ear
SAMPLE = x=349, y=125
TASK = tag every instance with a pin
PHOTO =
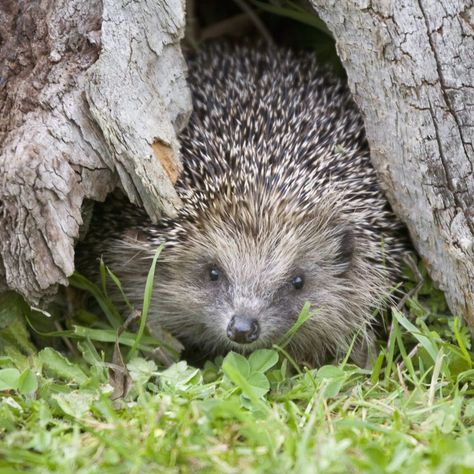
x=346, y=246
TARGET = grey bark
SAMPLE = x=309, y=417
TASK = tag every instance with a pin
x=410, y=66
x=92, y=94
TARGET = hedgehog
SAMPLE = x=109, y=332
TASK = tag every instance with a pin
x=281, y=207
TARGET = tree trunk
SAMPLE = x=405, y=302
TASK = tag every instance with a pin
x=410, y=66
x=92, y=96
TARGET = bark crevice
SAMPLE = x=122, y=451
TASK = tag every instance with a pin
x=80, y=111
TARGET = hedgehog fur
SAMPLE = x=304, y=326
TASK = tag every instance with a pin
x=281, y=206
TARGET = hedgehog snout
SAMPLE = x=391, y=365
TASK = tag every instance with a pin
x=243, y=329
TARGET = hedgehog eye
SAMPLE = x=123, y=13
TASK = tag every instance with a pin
x=214, y=274
x=297, y=282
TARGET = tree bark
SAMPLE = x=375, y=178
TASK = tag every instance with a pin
x=410, y=66
x=92, y=96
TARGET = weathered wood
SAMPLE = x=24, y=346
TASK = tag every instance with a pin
x=410, y=66
x=92, y=96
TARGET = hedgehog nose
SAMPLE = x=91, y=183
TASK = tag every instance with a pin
x=243, y=330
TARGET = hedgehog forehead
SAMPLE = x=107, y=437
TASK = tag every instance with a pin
x=266, y=220
x=264, y=213
x=248, y=255
x=268, y=240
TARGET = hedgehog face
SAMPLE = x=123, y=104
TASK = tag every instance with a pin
x=231, y=289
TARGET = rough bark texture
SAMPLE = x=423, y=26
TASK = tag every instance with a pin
x=410, y=66
x=92, y=94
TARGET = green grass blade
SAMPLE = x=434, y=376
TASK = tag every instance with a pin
x=428, y=343
x=117, y=283
x=304, y=316
x=111, y=313
x=460, y=341
x=103, y=276
x=146, y=302
x=390, y=355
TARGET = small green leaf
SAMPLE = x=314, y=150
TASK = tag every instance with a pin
x=240, y=381
x=28, y=382
x=238, y=362
x=333, y=388
x=141, y=370
x=61, y=366
x=9, y=379
x=180, y=376
x=262, y=360
x=75, y=404
x=333, y=378
x=259, y=383
x=330, y=372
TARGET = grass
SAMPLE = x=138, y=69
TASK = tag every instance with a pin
x=98, y=410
